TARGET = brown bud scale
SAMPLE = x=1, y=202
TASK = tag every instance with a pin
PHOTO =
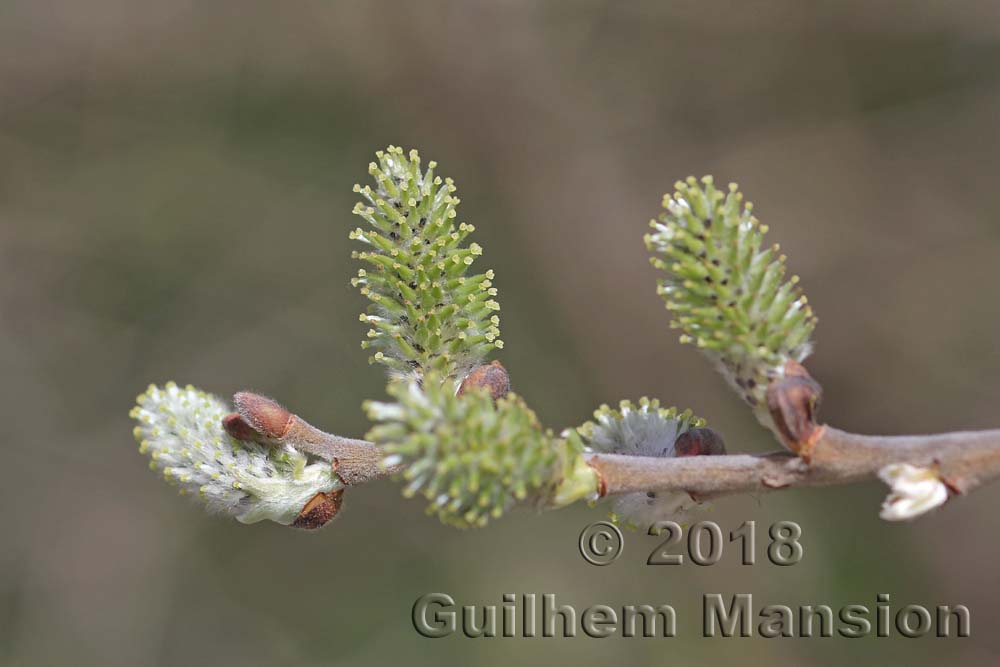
x=319, y=511
x=699, y=442
x=238, y=428
x=264, y=415
x=493, y=376
x=793, y=402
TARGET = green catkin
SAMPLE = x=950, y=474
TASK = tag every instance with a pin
x=427, y=314
x=728, y=293
x=431, y=322
x=471, y=457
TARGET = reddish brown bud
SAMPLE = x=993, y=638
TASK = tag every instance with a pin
x=493, y=376
x=793, y=402
x=699, y=442
x=263, y=415
x=238, y=428
x=320, y=510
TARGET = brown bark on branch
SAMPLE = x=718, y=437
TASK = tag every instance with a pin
x=964, y=461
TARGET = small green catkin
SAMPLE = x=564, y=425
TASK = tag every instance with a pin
x=472, y=458
x=729, y=295
x=426, y=315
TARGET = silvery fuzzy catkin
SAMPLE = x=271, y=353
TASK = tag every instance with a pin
x=645, y=429
x=180, y=429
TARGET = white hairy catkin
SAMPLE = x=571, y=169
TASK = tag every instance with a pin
x=181, y=430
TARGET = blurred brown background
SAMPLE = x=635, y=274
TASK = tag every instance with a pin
x=175, y=195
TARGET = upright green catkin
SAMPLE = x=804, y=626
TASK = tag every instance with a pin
x=471, y=456
x=728, y=294
x=426, y=315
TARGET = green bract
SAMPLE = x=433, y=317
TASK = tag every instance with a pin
x=728, y=295
x=426, y=314
x=471, y=457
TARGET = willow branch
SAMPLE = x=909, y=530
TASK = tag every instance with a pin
x=260, y=419
x=964, y=461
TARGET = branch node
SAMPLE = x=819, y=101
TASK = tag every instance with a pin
x=264, y=421
x=602, y=483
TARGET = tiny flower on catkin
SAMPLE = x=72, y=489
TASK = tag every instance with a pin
x=472, y=457
x=914, y=491
x=426, y=314
x=182, y=432
x=727, y=294
x=649, y=430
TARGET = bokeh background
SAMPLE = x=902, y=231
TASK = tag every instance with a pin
x=175, y=196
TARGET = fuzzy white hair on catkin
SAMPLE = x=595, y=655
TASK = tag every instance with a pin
x=642, y=430
x=181, y=431
x=642, y=510
x=636, y=432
